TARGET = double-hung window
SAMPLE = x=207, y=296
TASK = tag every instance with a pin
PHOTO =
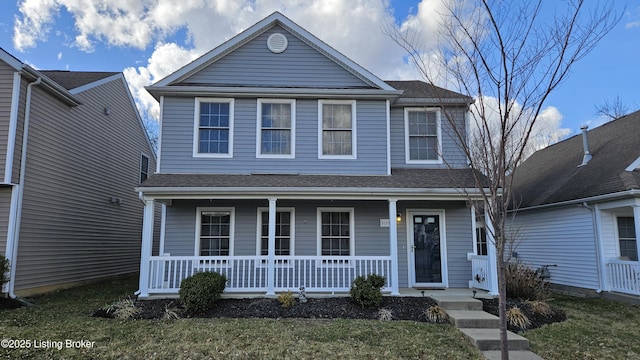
x=215, y=231
x=276, y=128
x=423, y=141
x=284, y=232
x=627, y=238
x=335, y=231
x=337, y=129
x=213, y=130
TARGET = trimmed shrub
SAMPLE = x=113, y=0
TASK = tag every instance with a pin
x=367, y=291
x=4, y=269
x=525, y=283
x=199, y=292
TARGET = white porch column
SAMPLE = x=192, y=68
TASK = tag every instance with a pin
x=271, y=271
x=492, y=256
x=393, y=246
x=145, y=251
x=636, y=221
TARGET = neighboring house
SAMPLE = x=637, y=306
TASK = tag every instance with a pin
x=579, y=208
x=72, y=151
x=283, y=164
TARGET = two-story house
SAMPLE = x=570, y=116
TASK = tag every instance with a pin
x=72, y=150
x=284, y=164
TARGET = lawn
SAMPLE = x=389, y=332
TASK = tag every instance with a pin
x=595, y=329
x=65, y=315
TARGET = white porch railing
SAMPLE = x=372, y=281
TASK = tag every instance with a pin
x=479, y=272
x=249, y=273
x=624, y=276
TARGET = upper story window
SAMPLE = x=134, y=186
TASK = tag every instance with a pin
x=144, y=167
x=337, y=124
x=214, y=232
x=423, y=141
x=213, y=128
x=276, y=128
x=627, y=238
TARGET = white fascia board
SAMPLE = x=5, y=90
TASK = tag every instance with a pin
x=257, y=29
x=402, y=102
x=10, y=60
x=634, y=165
x=96, y=83
x=272, y=92
x=310, y=193
x=592, y=199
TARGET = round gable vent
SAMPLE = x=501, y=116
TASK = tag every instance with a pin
x=277, y=43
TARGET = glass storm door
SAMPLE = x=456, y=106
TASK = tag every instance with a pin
x=426, y=249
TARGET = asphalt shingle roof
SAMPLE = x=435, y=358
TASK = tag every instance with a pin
x=552, y=175
x=400, y=179
x=420, y=89
x=73, y=79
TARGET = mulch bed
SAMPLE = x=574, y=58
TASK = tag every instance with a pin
x=537, y=319
x=401, y=308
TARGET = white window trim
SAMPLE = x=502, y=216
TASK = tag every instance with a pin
x=259, y=154
x=407, y=150
x=196, y=127
x=616, y=229
x=352, y=232
x=354, y=137
x=292, y=249
x=232, y=221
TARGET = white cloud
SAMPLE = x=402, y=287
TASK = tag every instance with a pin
x=59, y=56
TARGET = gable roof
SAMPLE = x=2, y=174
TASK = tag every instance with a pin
x=552, y=175
x=73, y=79
x=275, y=18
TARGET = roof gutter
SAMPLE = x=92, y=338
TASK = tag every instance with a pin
x=50, y=85
x=15, y=239
x=598, y=198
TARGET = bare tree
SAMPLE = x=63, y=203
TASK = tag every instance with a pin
x=613, y=109
x=508, y=55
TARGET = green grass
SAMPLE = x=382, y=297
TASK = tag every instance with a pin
x=66, y=315
x=595, y=329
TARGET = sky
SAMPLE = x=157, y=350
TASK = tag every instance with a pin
x=149, y=39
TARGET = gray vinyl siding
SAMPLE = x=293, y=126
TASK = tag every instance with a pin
x=253, y=64
x=5, y=205
x=452, y=154
x=6, y=94
x=562, y=237
x=370, y=238
x=178, y=137
x=78, y=159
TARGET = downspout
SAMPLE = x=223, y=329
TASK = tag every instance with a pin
x=23, y=169
x=597, y=243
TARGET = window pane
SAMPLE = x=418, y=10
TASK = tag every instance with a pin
x=627, y=238
x=283, y=236
x=276, y=142
x=335, y=240
x=214, y=128
x=336, y=142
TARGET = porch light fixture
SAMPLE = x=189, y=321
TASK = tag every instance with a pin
x=398, y=217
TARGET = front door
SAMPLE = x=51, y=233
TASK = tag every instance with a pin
x=427, y=250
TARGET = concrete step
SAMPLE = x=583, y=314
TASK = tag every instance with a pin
x=457, y=302
x=489, y=339
x=513, y=355
x=473, y=319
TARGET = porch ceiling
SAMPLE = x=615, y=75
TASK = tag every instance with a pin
x=449, y=182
